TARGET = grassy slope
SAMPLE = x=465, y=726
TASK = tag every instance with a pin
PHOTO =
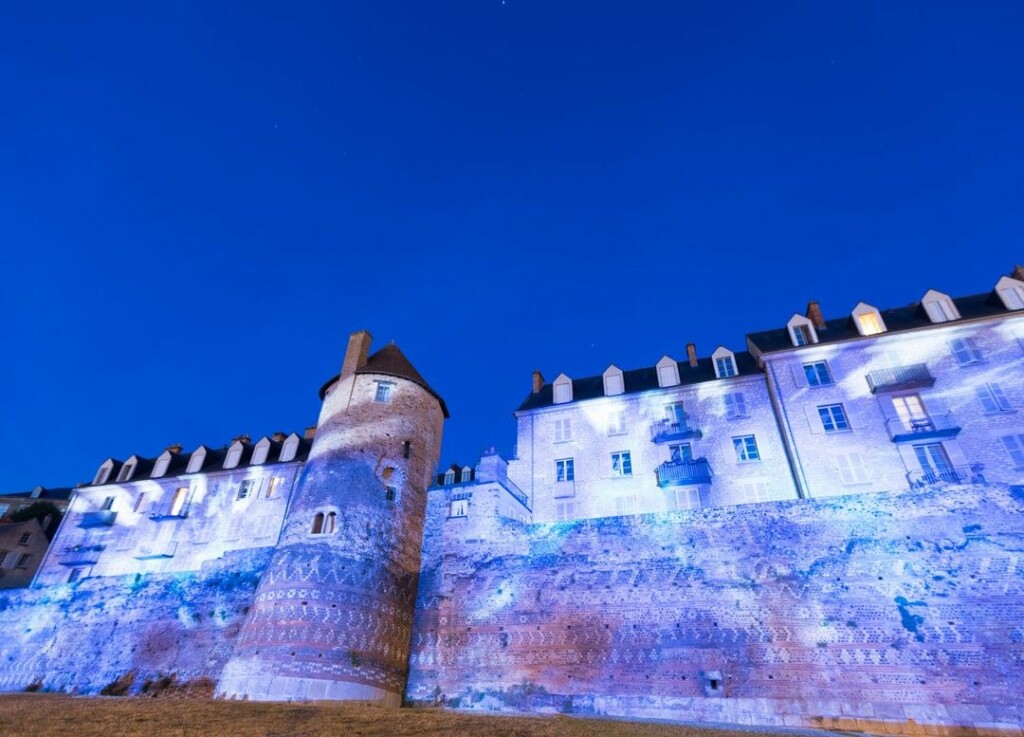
x=49, y=715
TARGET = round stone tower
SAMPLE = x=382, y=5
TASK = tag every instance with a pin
x=333, y=613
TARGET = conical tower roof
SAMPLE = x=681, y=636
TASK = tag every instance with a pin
x=390, y=361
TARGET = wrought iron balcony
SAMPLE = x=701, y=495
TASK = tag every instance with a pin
x=665, y=431
x=153, y=552
x=103, y=518
x=922, y=428
x=80, y=555
x=684, y=473
x=898, y=378
x=166, y=516
x=564, y=489
x=951, y=475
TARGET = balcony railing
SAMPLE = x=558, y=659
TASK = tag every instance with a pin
x=516, y=493
x=912, y=376
x=165, y=516
x=684, y=473
x=665, y=431
x=564, y=489
x=923, y=479
x=80, y=555
x=103, y=518
x=152, y=552
x=922, y=428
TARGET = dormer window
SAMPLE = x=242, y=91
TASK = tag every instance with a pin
x=939, y=306
x=562, y=389
x=868, y=319
x=127, y=470
x=259, y=453
x=613, y=381
x=449, y=477
x=801, y=331
x=290, y=448
x=725, y=363
x=160, y=468
x=467, y=474
x=234, y=455
x=668, y=372
x=104, y=473
x=195, y=463
x=1011, y=292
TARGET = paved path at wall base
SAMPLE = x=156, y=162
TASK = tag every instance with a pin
x=878, y=612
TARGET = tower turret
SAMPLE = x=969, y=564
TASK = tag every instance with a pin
x=333, y=612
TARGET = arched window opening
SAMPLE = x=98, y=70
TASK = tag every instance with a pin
x=318, y=523
x=329, y=523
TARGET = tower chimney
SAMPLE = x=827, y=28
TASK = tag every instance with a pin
x=310, y=432
x=1018, y=272
x=356, y=353
x=691, y=354
x=814, y=314
x=174, y=448
x=538, y=381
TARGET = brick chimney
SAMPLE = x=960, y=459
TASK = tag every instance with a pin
x=278, y=437
x=814, y=315
x=1018, y=272
x=175, y=448
x=243, y=439
x=357, y=352
x=311, y=430
x=691, y=354
x=538, y=381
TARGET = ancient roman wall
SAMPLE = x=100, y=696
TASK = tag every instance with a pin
x=85, y=636
x=850, y=612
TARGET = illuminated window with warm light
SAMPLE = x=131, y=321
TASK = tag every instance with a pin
x=178, y=502
x=868, y=319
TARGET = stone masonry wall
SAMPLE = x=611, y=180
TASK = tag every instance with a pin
x=84, y=636
x=848, y=612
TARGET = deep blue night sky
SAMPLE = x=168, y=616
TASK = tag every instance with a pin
x=197, y=204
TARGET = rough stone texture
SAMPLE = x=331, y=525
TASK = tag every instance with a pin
x=855, y=612
x=82, y=637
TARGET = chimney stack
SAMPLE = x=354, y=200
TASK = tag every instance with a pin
x=1018, y=272
x=278, y=437
x=814, y=315
x=175, y=448
x=357, y=352
x=244, y=439
x=691, y=354
x=311, y=430
x=538, y=381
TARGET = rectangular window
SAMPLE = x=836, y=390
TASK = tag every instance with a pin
x=564, y=470
x=746, y=448
x=139, y=502
x=23, y=540
x=757, y=491
x=993, y=398
x=625, y=505
x=817, y=374
x=965, y=351
x=686, y=498
x=1014, y=445
x=725, y=367
x=383, y=394
x=178, y=502
x=833, y=418
x=390, y=493
x=76, y=573
x=24, y=560
x=852, y=469
x=735, y=405
x=680, y=453
x=244, y=488
x=458, y=508
x=617, y=422
x=108, y=503
x=563, y=430
x=802, y=334
x=676, y=415
x=565, y=511
x=622, y=464
x=275, y=484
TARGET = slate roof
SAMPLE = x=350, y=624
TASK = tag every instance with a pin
x=214, y=461
x=390, y=361
x=639, y=380
x=899, y=319
x=61, y=493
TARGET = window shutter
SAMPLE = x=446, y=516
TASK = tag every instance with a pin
x=799, y=376
x=814, y=420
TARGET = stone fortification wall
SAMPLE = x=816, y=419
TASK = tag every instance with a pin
x=83, y=637
x=848, y=612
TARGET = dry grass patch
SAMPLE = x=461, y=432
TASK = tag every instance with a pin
x=51, y=715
